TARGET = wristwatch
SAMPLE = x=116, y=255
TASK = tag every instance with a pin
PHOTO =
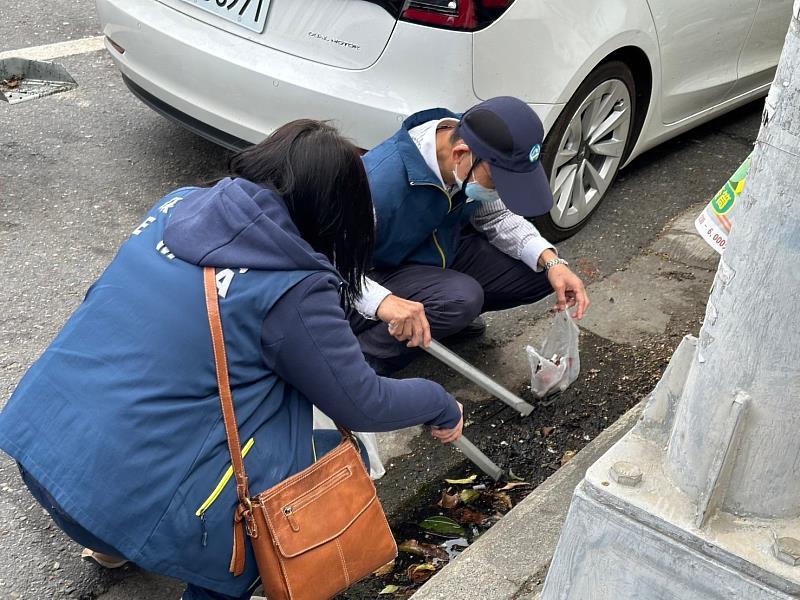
x=553, y=262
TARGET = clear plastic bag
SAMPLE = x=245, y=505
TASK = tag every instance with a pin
x=557, y=364
x=368, y=440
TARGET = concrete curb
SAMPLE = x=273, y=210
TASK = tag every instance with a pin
x=510, y=560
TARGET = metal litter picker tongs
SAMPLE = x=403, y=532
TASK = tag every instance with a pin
x=455, y=362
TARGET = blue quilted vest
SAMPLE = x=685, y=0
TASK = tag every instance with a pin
x=417, y=221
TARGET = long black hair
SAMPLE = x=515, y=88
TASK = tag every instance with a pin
x=320, y=176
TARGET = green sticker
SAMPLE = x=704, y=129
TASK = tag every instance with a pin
x=724, y=200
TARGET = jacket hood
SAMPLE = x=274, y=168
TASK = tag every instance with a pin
x=430, y=114
x=417, y=169
x=239, y=224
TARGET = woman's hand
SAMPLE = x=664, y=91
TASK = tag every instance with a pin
x=407, y=321
x=450, y=435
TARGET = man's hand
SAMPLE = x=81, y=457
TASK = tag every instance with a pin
x=450, y=435
x=569, y=290
x=407, y=321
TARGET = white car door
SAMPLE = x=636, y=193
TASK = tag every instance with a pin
x=700, y=43
x=763, y=46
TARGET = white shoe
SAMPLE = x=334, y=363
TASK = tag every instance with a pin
x=104, y=560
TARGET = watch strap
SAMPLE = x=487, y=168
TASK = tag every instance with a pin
x=553, y=262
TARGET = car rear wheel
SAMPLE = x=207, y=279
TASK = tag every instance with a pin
x=585, y=148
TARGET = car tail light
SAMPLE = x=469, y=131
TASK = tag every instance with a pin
x=468, y=15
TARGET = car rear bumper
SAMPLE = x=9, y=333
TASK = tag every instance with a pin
x=233, y=90
x=194, y=125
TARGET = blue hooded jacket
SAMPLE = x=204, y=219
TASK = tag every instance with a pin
x=119, y=419
x=417, y=220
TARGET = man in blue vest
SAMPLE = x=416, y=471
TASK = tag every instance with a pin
x=450, y=196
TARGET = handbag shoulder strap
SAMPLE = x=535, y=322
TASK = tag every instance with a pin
x=244, y=512
x=223, y=382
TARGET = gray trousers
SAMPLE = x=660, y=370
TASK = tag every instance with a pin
x=481, y=278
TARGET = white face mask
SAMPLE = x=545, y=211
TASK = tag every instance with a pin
x=459, y=181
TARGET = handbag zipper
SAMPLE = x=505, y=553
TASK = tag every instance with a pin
x=308, y=497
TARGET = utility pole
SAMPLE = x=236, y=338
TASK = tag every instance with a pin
x=701, y=500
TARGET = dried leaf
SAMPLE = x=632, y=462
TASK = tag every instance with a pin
x=389, y=589
x=13, y=81
x=420, y=573
x=547, y=431
x=411, y=547
x=467, y=516
x=435, y=552
x=513, y=484
x=465, y=481
x=426, y=550
x=448, y=500
x=568, y=456
x=502, y=501
x=442, y=525
x=513, y=477
x=467, y=496
x=385, y=569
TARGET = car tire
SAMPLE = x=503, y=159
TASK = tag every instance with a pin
x=586, y=147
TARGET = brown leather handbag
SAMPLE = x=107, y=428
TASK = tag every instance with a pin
x=317, y=532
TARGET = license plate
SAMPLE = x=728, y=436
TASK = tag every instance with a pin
x=251, y=14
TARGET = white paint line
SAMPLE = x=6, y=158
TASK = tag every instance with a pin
x=58, y=50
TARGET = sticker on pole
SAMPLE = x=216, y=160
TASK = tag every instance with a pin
x=715, y=222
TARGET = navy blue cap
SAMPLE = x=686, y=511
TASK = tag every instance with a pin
x=507, y=134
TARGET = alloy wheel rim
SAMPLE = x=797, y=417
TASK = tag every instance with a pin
x=590, y=152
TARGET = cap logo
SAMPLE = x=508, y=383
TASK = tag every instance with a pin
x=536, y=150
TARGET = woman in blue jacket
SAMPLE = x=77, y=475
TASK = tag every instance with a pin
x=117, y=427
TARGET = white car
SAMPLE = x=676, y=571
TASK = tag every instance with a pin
x=609, y=78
